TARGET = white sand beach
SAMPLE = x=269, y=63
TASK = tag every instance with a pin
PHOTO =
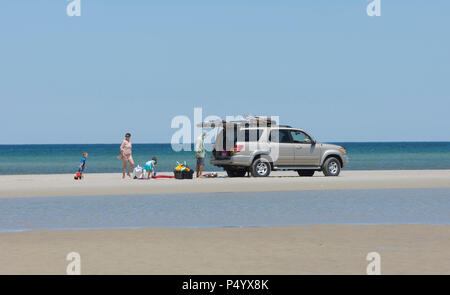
x=12, y=186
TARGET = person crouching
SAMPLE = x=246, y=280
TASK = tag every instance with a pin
x=150, y=167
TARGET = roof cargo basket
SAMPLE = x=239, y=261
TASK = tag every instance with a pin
x=249, y=121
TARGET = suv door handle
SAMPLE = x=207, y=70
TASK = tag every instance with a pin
x=298, y=147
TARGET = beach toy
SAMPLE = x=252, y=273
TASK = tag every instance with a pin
x=210, y=175
x=181, y=171
x=181, y=167
x=163, y=176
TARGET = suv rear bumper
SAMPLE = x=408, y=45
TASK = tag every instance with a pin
x=236, y=160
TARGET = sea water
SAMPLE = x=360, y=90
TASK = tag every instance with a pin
x=199, y=210
x=64, y=158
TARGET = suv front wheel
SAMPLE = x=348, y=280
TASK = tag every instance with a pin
x=331, y=167
x=260, y=168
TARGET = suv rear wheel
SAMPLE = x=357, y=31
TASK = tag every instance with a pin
x=260, y=168
x=331, y=167
x=306, y=172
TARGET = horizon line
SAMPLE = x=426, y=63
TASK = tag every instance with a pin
x=330, y=141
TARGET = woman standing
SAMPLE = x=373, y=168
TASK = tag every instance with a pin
x=125, y=150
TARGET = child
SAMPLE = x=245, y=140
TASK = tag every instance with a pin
x=150, y=167
x=79, y=175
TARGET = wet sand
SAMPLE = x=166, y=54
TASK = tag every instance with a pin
x=316, y=249
x=113, y=184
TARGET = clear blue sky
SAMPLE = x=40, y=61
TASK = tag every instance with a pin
x=324, y=66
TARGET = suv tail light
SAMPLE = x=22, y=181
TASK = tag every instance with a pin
x=238, y=148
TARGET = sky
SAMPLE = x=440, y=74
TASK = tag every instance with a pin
x=132, y=66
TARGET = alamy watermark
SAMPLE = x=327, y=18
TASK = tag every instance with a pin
x=374, y=267
x=74, y=8
x=74, y=266
x=226, y=136
x=374, y=8
x=223, y=134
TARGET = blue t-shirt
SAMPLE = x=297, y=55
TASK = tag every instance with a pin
x=83, y=163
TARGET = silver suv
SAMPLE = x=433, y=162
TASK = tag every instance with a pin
x=242, y=148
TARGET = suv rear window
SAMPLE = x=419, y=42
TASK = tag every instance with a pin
x=226, y=139
x=251, y=135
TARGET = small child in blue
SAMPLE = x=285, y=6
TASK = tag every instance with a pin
x=150, y=166
x=82, y=164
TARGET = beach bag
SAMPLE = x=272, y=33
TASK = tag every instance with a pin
x=138, y=172
x=188, y=174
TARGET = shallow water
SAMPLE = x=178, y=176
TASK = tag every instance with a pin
x=379, y=206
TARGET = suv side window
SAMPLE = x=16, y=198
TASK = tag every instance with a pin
x=284, y=136
x=300, y=137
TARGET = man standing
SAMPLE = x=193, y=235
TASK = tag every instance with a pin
x=200, y=153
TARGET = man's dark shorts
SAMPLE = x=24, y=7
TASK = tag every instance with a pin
x=200, y=161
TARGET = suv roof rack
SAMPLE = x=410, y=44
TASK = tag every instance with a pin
x=249, y=121
x=287, y=126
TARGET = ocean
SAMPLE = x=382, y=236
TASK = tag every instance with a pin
x=65, y=158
